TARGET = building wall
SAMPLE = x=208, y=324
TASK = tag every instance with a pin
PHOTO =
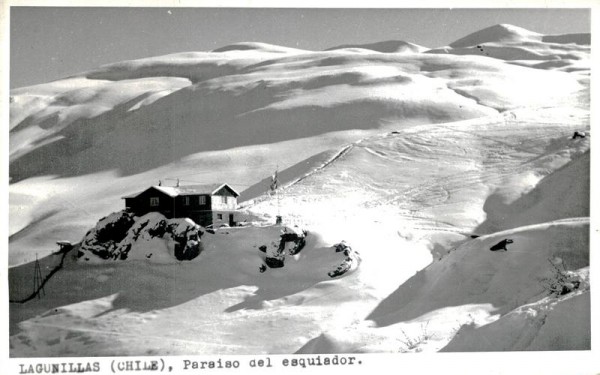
x=131, y=203
x=193, y=205
x=214, y=210
x=203, y=218
x=222, y=217
x=224, y=199
x=141, y=205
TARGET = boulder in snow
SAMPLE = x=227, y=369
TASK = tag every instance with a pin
x=291, y=241
x=501, y=245
x=350, y=262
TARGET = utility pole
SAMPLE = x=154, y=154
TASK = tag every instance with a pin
x=37, y=278
x=275, y=188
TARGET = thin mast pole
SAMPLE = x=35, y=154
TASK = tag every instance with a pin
x=277, y=190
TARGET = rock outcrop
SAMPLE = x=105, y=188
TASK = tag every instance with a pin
x=350, y=262
x=117, y=235
x=292, y=241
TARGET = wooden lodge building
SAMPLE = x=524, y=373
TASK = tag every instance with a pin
x=205, y=204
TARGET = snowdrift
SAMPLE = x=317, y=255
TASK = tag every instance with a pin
x=562, y=194
x=218, y=302
x=475, y=299
x=388, y=46
x=551, y=324
x=472, y=274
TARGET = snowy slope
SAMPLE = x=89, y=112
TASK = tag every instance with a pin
x=569, y=187
x=388, y=46
x=193, y=108
x=258, y=95
x=281, y=99
x=443, y=185
x=478, y=300
x=218, y=302
x=405, y=154
x=526, y=48
x=442, y=180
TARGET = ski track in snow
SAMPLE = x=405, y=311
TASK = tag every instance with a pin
x=336, y=157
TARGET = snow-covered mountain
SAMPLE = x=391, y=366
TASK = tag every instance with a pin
x=523, y=47
x=421, y=159
x=388, y=46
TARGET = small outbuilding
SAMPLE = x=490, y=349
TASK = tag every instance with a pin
x=214, y=204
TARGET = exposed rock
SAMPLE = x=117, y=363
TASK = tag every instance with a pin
x=350, y=262
x=117, y=234
x=114, y=227
x=103, y=240
x=292, y=241
x=342, y=246
x=275, y=262
x=501, y=245
x=295, y=236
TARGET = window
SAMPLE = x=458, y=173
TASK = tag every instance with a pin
x=202, y=200
x=154, y=201
x=223, y=199
x=186, y=201
x=219, y=216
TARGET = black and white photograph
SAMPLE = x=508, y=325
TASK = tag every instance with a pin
x=310, y=186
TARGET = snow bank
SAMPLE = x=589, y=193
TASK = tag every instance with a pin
x=218, y=303
x=550, y=324
x=474, y=274
x=562, y=194
x=479, y=300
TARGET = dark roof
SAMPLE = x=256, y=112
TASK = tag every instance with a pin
x=174, y=191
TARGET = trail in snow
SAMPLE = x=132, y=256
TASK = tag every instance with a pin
x=336, y=157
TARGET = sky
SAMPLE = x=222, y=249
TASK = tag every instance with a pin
x=48, y=43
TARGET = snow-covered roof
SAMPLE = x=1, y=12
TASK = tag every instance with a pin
x=174, y=191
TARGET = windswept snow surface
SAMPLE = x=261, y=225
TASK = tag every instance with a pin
x=388, y=46
x=518, y=46
x=407, y=155
x=217, y=303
